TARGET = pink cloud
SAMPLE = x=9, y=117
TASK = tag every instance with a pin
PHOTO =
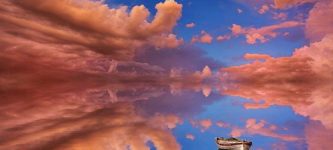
x=263, y=9
x=190, y=136
x=320, y=54
x=169, y=122
x=75, y=121
x=167, y=41
x=236, y=29
x=318, y=136
x=304, y=85
x=280, y=16
x=302, y=81
x=222, y=124
x=279, y=146
x=254, y=37
x=203, y=38
x=263, y=34
x=190, y=25
x=79, y=37
x=204, y=124
x=221, y=38
x=262, y=128
x=236, y=132
x=206, y=72
x=257, y=56
x=70, y=25
x=319, y=24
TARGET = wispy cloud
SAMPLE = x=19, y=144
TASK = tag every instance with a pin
x=262, y=34
x=261, y=128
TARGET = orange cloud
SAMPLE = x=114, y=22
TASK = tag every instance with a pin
x=82, y=120
x=53, y=41
x=166, y=18
x=262, y=128
x=304, y=96
x=280, y=4
x=304, y=85
x=203, y=38
x=204, y=124
x=236, y=29
x=263, y=34
x=88, y=26
x=257, y=56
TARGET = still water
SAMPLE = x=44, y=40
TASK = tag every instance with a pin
x=143, y=116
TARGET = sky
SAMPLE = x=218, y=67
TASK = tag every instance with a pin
x=223, y=14
x=165, y=74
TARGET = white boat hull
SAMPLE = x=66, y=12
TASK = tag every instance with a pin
x=234, y=147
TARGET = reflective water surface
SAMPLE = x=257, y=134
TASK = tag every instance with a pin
x=83, y=115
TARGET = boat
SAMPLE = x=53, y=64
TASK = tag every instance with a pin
x=232, y=144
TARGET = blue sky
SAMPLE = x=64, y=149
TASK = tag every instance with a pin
x=217, y=16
